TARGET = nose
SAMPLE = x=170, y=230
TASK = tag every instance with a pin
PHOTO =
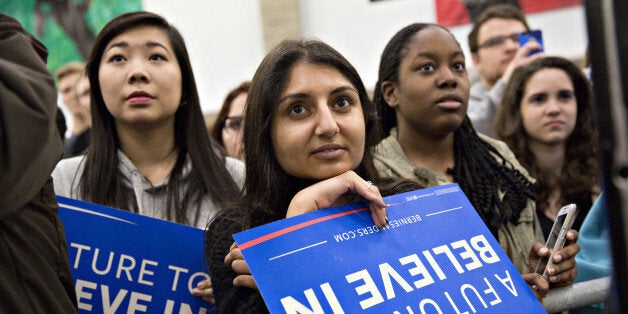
x=447, y=78
x=138, y=74
x=326, y=125
x=553, y=107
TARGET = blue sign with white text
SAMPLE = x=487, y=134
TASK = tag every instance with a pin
x=435, y=256
x=128, y=263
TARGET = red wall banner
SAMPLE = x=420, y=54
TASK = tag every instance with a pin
x=456, y=12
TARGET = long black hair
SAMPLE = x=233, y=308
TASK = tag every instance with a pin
x=480, y=170
x=103, y=183
x=268, y=189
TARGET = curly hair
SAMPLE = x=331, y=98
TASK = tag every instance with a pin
x=579, y=174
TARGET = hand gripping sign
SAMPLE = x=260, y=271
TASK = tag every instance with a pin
x=435, y=256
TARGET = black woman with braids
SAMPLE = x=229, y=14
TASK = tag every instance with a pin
x=422, y=96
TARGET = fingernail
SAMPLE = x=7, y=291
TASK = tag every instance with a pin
x=543, y=250
x=550, y=271
x=553, y=278
x=386, y=217
x=557, y=258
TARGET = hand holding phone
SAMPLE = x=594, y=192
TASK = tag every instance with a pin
x=556, y=239
x=534, y=35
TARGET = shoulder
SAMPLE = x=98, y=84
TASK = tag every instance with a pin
x=66, y=175
x=388, y=152
x=236, y=169
x=384, y=156
x=508, y=155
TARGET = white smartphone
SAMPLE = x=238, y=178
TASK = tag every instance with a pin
x=556, y=238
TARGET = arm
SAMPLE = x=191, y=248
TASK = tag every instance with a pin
x=325, y=193
x=31, y=144
x=233, y=284
x=228, y=296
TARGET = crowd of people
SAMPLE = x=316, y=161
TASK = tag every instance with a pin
x=520, y=142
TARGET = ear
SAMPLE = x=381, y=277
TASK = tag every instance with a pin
x=389, y=92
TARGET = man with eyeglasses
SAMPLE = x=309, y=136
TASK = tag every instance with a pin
x=496, y=53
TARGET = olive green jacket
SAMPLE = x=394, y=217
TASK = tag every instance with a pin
x=516, y=240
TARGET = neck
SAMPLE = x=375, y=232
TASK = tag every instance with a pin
x=152, y=151
x=488, y=83
x=429, y=151
x=549, y=158
x=79, y=124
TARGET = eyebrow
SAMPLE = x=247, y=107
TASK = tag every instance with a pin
x=124, y=44
x=305, y=95
x=432, y=55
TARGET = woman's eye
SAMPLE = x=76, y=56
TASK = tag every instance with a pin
x=116, y=58
x=343, y=102
x=538, y=98
x=157, y=56
x=565, y=95
x=426, y=67
x=459, y=66
x=297, y=109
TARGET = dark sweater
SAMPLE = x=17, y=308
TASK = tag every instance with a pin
x=229, y=299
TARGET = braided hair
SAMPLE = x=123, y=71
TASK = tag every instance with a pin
x=482, y=173
x=480, y=170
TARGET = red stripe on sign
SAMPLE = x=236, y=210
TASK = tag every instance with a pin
x=281, y=232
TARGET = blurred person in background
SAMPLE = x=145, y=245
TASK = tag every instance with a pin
x=69, y=77
x=496, y=53
x=227, y=130
x=81, y=131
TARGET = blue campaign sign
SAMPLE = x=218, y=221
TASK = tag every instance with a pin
x=128, y=263
x=435, y=256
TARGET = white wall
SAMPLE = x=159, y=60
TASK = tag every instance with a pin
x=360, y=29
x=225, y=38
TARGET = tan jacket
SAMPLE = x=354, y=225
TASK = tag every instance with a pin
x=516, y=240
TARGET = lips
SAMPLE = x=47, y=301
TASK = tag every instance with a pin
x=329, y=151
x=450, y=102
x=554, y=123
x=139, y=97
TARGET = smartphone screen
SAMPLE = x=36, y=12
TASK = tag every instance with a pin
x=534, y=35
x=556, y=238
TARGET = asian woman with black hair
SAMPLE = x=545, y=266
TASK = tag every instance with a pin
x=150, y=152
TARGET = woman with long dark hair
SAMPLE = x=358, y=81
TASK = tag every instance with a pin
x=150, y=153
x=309, y=132
x=546, y=118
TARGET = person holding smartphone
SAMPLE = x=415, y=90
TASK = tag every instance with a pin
x=422, y=96
x=496, y=53
x=546, y=117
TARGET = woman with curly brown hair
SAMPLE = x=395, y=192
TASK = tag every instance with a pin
x=546, y=118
